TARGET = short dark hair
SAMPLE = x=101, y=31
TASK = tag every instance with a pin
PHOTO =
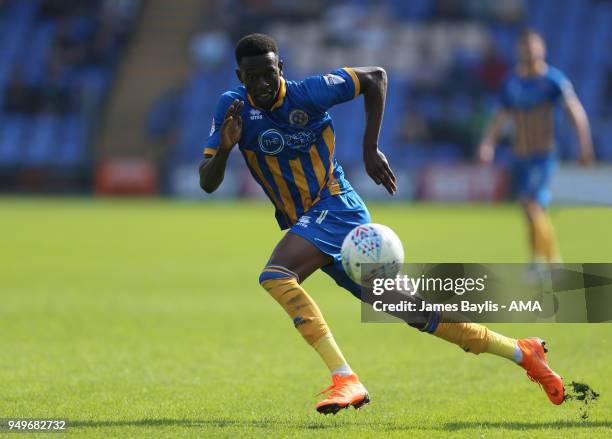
x=254, y=45
x=530, y=32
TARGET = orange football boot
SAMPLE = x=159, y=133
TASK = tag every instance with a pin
x=346, y=390
x=534, y=362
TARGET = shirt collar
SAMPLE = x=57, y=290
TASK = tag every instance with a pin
x=279, y=99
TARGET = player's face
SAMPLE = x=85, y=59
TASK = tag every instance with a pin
x=531, y=49
x=261, y=76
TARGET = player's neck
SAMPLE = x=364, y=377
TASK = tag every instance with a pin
x=261, y=107
x=532, y=69
x=280, y=93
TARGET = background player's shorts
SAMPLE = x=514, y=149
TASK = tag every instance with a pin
x=326, y=224
x=532, y=176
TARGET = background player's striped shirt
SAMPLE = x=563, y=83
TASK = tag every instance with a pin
x=290, y=148
x=531, y=101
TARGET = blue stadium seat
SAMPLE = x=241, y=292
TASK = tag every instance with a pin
x=19, y=19
x=73, y=139
x=41, y=143
x=39, y=50
x=12, y=131
x=414, y=156
x=537, y=17
x=446, y=153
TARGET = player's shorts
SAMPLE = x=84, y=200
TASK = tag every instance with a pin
x=532, y=176
x=326, y=224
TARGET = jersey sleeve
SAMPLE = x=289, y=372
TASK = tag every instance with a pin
x=336, y=87
x=563, y=88
x=213, y=142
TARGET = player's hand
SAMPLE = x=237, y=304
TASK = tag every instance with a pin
x=231, y=129
x=586, y=156
x=486, y=152
x=379, y=170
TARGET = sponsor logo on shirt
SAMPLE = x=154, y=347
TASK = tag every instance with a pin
x=255, y=114
x=273, y=141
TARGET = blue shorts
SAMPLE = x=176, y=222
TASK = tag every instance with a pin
x=532, y=176
x=326, y=224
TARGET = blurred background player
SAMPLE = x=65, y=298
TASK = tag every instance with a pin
x=528, y=98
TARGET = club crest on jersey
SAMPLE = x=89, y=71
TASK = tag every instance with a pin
x=255, y=114
x=271, y=142
x=298, y=117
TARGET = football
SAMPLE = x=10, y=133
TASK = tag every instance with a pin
x=370, y=251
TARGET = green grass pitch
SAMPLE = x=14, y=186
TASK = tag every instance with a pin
x=145, y=319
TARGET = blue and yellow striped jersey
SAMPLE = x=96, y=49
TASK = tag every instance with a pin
x=290, y=149
x=531, y=101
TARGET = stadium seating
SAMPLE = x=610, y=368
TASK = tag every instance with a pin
x=65, y=95
x=58, y=130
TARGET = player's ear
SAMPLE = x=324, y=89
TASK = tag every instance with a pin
x=280, y=66
x=239, y=76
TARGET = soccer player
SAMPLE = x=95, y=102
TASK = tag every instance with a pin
x=528, y=98
x=287, y=140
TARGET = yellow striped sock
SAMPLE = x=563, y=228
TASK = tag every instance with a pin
x=545, y=248
x=475, y=338
x=306, y=316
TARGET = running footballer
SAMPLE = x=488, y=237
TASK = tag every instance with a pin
x=286, y=136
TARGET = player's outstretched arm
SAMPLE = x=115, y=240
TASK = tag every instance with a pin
x=212, y=168
x=373, y=87
x=486, y=150
x=579, y=119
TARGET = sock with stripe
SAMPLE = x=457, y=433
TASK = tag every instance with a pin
x=284, y=287
x=544, y=245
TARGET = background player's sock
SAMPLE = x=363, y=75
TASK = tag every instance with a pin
x=544, y=245
x=539, y=242
x=332, y=356
x=550, y=246
x=283, y=286
x=475, y=338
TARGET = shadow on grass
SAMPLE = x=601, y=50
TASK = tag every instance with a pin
x=271, y=423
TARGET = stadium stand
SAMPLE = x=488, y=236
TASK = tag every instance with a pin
x=57, y=62
x=60, y=72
